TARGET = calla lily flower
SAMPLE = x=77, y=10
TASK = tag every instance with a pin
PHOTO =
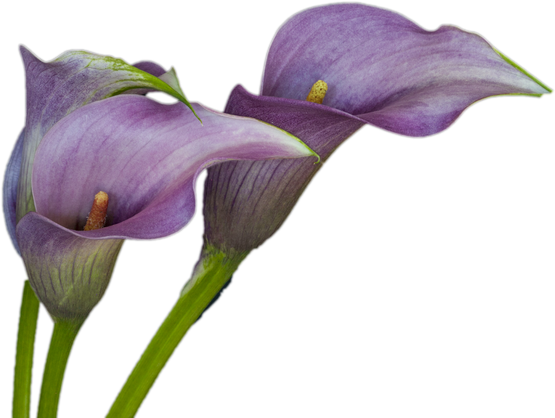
x=380, y=69
x=57, y=88
x=146, y=155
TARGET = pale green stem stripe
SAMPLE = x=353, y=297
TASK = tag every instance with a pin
x=208, y=279
x=61, y=343
x=23, y=373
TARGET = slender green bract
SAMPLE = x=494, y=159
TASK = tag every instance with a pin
x=210, y=275
x=61, y=343
x=24, y=353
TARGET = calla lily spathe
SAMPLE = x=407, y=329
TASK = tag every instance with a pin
x=57, y=88
x=381, y=69
x=146, y=157
x=79, y=140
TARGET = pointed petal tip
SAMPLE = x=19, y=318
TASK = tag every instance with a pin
x=310, y=152
x=170, y=78
x=526, y=73
x=26, y=54
x=195, y=113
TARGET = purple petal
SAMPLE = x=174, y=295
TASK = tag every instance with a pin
x=146, y=156
x=57, y=88
x=11, y=177
x=68, y=273
x=387, y=70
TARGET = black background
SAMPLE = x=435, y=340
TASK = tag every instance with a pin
x=352, y=280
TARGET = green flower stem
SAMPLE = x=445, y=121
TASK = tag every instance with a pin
x=61, y=343
x=210, y=275
x=28, y=317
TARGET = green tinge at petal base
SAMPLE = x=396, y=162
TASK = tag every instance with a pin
x=71, y=273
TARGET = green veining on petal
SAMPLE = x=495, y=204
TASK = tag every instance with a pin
x=70, y=283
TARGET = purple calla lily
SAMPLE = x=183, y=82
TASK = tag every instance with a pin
x=145, y=154
x=146, y=157
x=381, y=69
x=55, y=89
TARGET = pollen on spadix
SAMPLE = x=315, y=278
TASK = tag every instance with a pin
x=97, y=215
x=317, y=92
